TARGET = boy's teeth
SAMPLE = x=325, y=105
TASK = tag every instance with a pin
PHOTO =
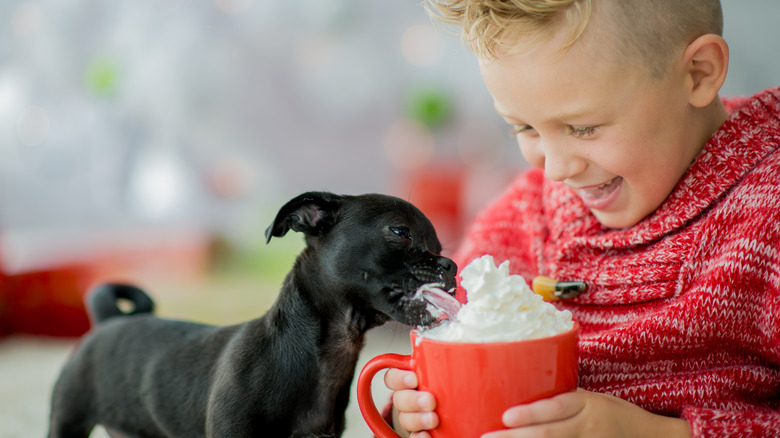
x=601, y=190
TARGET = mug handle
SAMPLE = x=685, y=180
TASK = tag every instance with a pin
x=366, y=403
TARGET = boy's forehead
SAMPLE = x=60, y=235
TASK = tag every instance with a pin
x=551, y=81
x=527, y=87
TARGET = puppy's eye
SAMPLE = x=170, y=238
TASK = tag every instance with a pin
x=402, y=232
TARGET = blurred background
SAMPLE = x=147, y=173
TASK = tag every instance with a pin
x=154, y=140
x=161, y=136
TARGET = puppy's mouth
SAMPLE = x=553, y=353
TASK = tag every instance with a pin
x=407, y=307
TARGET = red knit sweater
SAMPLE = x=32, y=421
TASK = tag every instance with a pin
x=682, y=311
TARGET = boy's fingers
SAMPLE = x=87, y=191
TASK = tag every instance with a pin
x=400, y=379
x=558, y=408
x=413, y=401
x=416, y=422
x=414, y=408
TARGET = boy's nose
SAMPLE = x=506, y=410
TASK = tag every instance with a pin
x=532, y=153
x=559, y=163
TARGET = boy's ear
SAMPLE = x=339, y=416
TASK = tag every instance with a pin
x=707, y=62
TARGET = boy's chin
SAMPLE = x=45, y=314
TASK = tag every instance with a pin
x=618, y=220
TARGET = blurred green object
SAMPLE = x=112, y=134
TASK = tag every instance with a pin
x=268, y=263
x=102, y=76
x=429, y=106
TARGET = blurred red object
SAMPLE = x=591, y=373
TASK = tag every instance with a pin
x=438, y=192
x=50, y=301
x=46, y=302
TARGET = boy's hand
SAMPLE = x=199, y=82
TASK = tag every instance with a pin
x=412, y=409
x=587, y=414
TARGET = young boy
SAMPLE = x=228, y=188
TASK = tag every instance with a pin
x=650, y=189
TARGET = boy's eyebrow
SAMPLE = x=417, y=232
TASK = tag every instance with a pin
x=501, y=113
x=566, y=115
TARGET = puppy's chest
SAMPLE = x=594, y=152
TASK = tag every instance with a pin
x=337, y=359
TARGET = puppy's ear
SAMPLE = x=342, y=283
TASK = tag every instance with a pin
x=310, y=213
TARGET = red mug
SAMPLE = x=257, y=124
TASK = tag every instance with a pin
x=474, y=383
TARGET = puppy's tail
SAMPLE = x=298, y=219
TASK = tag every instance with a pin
x=103, y=301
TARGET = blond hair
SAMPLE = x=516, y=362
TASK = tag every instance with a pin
x=645, y=31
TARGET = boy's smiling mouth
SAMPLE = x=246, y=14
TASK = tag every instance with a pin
x=601, y=196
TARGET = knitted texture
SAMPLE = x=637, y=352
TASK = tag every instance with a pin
x=682, y=311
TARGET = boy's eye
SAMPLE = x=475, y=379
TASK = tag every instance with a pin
x=520, y=129
x=402, y=232
x=582, y=131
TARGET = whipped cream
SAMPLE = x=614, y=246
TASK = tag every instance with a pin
x=500, y=308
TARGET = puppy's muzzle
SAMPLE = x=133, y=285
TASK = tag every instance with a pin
x=442, y=272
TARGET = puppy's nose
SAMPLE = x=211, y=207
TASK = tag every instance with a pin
x=447, y=264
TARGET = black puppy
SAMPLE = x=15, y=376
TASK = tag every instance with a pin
x=287, y=373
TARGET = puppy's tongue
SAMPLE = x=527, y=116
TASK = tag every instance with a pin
x=441, y=301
